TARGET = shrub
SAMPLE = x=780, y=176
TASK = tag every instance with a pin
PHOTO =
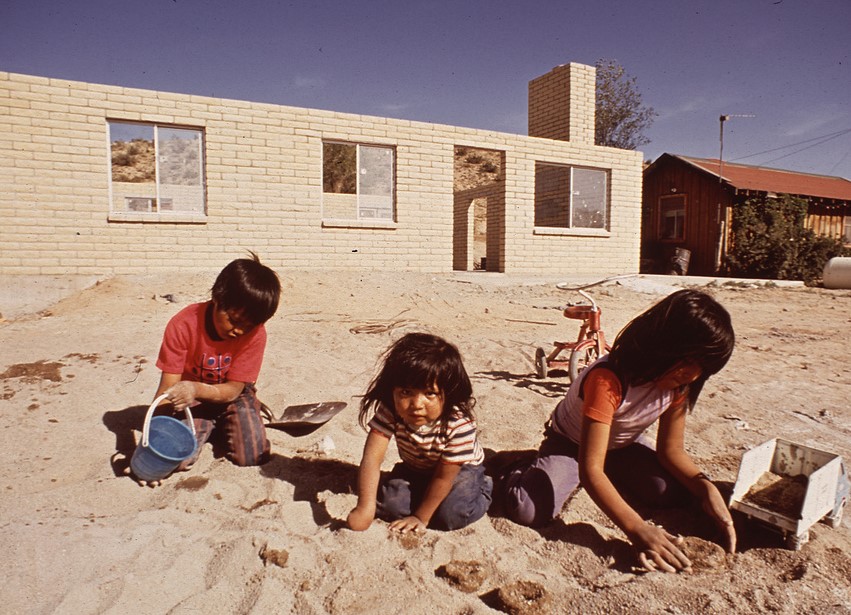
x=769, y=240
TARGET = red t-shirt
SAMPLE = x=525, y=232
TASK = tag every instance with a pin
x=188, y=349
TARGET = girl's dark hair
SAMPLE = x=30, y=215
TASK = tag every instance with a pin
x=686, y=325
x=419, y=361
x=250, y=287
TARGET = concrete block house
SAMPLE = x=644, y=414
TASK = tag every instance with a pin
x=99, y=179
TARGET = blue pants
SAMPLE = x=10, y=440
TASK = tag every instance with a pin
x=535, y=493
x=401, y=492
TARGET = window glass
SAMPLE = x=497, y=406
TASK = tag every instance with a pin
x=552, y=195
x=339, y=168
x=375, y=171
x=156, y=168
x=570, y=197
x=357, y=181
x=672, y=217
x=588, y=206
x=179, y=164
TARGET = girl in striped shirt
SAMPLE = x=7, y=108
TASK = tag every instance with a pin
x=423, y=397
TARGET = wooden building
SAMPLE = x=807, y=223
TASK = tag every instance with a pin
x=687, y=205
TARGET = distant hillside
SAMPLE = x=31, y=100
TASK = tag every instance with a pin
x=476, y=167
x=135, y=161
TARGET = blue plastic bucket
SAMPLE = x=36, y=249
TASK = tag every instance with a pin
x=165, y=443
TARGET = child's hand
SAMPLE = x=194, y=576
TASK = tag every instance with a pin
x=659, y=550
x=715, y=507
x=360, y=519
x=182, y=394
x=142, y=483
x=408, y=524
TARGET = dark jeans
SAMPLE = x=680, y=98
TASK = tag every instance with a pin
x=401, y=492
x=535, y=493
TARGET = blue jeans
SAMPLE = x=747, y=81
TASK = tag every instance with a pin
x=535, y=493
x=402, y=491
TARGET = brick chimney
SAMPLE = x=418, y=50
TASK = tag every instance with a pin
x=561, y=104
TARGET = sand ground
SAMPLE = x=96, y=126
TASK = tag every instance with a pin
x=76, y=377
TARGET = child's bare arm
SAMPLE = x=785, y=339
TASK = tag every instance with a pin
x=438, y=488
x=369, y=473
x=657, y=548
x=183, y=393
x=167, y=381
x=670, y=445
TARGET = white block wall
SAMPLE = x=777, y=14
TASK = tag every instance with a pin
x=263, y=170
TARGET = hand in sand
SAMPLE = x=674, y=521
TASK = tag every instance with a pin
x=659, y=550
x=715, y=507
x=142, y=483
x=408, y=524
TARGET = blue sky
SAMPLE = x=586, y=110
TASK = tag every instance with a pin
x=468, y=63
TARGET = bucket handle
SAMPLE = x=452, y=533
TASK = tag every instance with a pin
x=150, y=415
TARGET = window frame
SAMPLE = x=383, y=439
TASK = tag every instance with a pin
x=571, y=229
x=679, y=219
x=160, y=207
x=362, y=209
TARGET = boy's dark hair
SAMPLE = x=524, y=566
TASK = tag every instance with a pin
x=420, y=360
x=250, y=287
x=686, y=325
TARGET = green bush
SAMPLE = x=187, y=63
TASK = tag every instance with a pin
x=769, y=240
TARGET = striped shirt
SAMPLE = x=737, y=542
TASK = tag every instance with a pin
x=423, y=448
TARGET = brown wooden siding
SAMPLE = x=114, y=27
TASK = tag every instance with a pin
x=670, y=175
x=703, y=196
x=826, y=220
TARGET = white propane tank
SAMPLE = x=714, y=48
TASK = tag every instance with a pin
x=837, y=272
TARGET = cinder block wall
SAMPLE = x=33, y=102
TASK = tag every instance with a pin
x=263, y=168
x=562, y=104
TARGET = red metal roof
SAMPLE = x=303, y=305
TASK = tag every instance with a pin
x=763, y=179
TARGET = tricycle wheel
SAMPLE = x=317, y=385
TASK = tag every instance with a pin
x=541, y=363
x=582, y=356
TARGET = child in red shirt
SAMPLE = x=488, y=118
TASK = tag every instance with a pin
x=211, y=355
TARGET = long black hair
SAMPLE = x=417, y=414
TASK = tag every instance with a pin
x=420, y=361
x=685, y=325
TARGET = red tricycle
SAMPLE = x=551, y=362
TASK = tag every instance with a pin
x=588, y=347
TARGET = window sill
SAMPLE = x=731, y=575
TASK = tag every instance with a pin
x=571, y=232
x=175, y=217
x=374, y=224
